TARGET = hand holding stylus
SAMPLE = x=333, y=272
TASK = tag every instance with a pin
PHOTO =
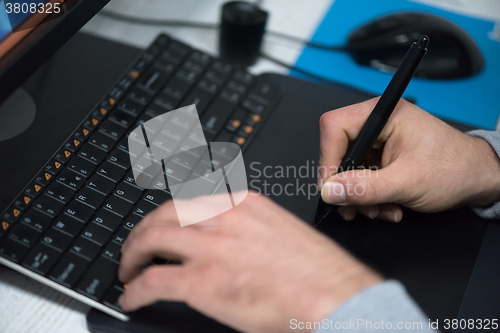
x=425, y=165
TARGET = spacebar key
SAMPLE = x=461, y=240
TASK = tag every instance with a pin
x=99, y=278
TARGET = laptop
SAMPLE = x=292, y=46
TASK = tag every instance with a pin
x=72, y=198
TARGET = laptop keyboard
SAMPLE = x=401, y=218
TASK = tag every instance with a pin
x=67, y=227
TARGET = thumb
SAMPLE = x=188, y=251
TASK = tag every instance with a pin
x=363, y=188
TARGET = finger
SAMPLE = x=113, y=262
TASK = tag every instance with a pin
x=371, y=211
x=340, y=126
x=157, y=241
x=165, y=282
x=391, y=213
x=348, y=213
x=367, y=187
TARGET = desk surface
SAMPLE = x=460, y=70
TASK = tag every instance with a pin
x=28, y=306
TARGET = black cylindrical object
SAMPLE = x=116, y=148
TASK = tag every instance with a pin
x=242, y=29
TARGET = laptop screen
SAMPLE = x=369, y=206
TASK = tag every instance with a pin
x=17, y=22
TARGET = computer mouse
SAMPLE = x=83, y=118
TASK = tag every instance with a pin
x=383, y=43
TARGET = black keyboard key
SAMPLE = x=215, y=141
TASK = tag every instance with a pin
x=85, y=248
x=5, y=226
x=108, y=219
x=44, y=178
x=68, y=225
x=33, y=190
x=131, y=221
x=101, y=184
x=12, y=250
x=140, y=96
x=63, y=155
x=236, y=87
x=225, y=136
x=216, y=77
x=122, y=118
x=143, y=208
x=118, y=206
x=216, y=116
x=92, y=198
x=243, y=77
x=111, y=298
x=71, y=179
x=209, y=86
x=179, y=48
x=56, y=239
x=119, y=158
x=200, y=97
x=73, y=144
x=263, y=92
x=166, y=65
x=91, y=123
x=69, y=269
x=23, y=202
x=129, y=178
x=153, y=80
x=131, y=107
x=91, y=153
x=120, y=236
x=157, y=197
x=237, y=119
x=102, y=141
x=48, y=205
x=81, y=166
x=53, y=167
x=123, y=143
x=200, y=58
x=224, y=68
x=111, y=171
x=98, y=279
x=253, y=106
x=79, y=211
x=231, y=96
x=163, y=103
x=36, y=220
x=41, y=259
x=12, y=214
x=177, y=88
x=96, y=233
x=112, y=129
x=82, y=133
x=128, y=192
x=24, y=234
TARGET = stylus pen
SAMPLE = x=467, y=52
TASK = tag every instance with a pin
x=379, y=116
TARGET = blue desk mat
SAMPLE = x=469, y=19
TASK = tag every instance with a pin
x=474, y=101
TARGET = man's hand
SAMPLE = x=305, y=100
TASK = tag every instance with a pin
x=255, y=267
x=426, y=165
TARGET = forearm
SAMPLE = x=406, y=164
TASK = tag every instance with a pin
x=490, y=209
x=383, y=307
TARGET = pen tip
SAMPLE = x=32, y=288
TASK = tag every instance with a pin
x=423, y=41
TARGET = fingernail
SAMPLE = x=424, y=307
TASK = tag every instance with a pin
x=389, y=216
x=333, y=193
x=396, y=218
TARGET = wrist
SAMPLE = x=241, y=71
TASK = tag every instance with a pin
x=486, y=170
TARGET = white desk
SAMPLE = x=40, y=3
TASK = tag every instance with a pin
x=28, y=306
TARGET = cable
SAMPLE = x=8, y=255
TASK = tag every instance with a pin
x=147, y=21
x=198, y=25
x=296, y=69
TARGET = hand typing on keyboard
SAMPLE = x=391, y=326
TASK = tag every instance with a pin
x=241, y=267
